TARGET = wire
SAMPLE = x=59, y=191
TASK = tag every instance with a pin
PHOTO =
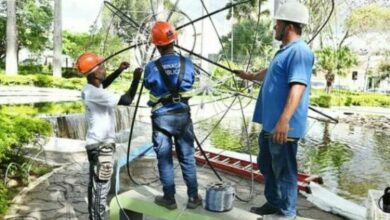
x=326, y=22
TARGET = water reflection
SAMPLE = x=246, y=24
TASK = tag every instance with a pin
x=351, y=159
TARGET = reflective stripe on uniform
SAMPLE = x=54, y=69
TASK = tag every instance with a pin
x=155, y=99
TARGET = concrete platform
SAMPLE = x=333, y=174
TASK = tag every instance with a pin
x=145, y=171
x=140, y=200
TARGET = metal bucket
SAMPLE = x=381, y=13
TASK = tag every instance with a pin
x=219, y=197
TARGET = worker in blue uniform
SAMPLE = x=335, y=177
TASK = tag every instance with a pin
x=169, y=80
x=282, y=109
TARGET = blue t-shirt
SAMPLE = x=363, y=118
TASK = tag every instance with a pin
x=292, y=63
x=154, y=82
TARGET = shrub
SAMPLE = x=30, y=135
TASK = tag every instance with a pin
x=15, y=131
x=322, y=101
x=4, y=202
x=43, y=81
x=348, y=98
x=30, y=69
x=348, y=102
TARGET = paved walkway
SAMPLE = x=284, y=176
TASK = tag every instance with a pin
x=62, y=194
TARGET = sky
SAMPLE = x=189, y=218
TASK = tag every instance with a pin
x=79, y=15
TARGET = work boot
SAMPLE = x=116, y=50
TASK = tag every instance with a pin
x=194, y=202
x=168, y=202
x=266, y=209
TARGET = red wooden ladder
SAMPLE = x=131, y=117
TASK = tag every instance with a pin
x=245, y=169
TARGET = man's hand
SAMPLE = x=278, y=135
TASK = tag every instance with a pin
x=123, y=66
x=137, y=73
x=280, y=132
x=243, y=75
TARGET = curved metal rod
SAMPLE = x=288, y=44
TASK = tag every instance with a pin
x=323, y=114
x=213, y=13
x=210, y=61
x=323, y=25
x=117, y=10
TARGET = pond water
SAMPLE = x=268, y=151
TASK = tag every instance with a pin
x=351, y=159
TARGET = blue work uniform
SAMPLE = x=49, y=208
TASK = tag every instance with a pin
x=293, y=63
x=171, y=119
x=154, y=82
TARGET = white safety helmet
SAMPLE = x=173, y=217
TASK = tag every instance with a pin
x=293, y=11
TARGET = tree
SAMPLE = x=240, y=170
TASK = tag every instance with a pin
x=369, y=18
x=335, y=62
x=246, y=11
x=33, y=19
x=11, y=67
x=319, y=12
x=75, y=44
x=136, y=10
x=243, y=40
x=57, y=39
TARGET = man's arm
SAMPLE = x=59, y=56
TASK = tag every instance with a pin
x=109, y=79
x=128, y=97
x=280, y=131
x=256, y=76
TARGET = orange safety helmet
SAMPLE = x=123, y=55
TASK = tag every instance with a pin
x=87, y=61
x=163, y=33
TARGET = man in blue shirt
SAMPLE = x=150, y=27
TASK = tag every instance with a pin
x=282, y=108
x=170, y=80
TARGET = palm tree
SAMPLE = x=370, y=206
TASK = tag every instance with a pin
x=335, y=62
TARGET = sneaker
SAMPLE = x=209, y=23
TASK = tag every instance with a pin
x=278, y=216
x=194, y=202
x=165, y=201
x=266, y=209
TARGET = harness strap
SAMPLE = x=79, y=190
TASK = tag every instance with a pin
x=174, y=91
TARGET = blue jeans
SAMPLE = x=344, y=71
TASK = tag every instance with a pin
x=179, y=127
x=278, y=164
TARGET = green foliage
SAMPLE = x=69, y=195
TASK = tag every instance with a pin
x=4, y=202
x=336, y=61
x=28, y=69
x=244, y=42
x=18, y=130
x=224, y=137
x=246, y=11
x=348, y=102
x=135, y=9
x=319, y=10
x=369, y=18
x=225, y=77
x=322, y=101
x=15, y=132
x=347, y=98
x=75, y=44
x=43, y=81
x=101, y=43
x=48, y=108
x=33, y=19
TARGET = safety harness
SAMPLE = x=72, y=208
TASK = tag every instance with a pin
x=174, y=96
